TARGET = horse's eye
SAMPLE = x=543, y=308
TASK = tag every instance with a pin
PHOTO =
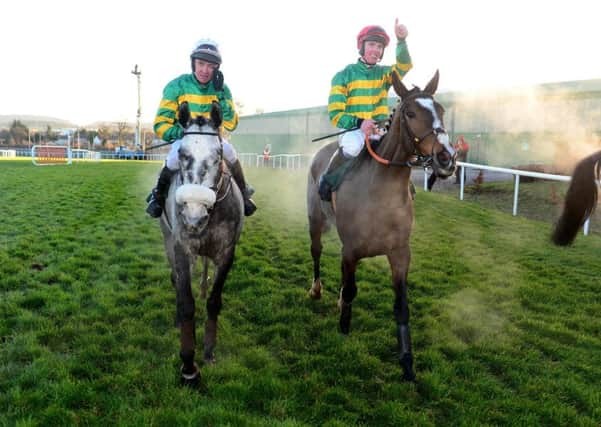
x=410, y=114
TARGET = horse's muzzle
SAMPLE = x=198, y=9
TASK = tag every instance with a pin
x=444, y=163
x=193, y=216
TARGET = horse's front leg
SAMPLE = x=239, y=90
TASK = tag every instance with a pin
x=399, y=263
x=348, y=290
x=190, y=374
x=214, y=305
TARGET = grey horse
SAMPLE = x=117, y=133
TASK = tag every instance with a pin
x=203, y=217
x=373, y=209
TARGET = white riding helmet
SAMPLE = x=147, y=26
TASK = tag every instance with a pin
x=207, y=50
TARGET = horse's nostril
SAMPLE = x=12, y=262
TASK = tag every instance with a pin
x=444, y=157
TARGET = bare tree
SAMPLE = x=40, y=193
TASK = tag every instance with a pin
x=122, y=129
x=18, y=132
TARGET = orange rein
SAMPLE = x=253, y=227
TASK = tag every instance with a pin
x=374, y=154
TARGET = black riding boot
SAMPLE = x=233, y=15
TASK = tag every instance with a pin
x=156, y=199
x=249, y=205
x=325, y=187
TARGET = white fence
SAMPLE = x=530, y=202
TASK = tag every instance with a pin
x=8, y=153
x=280, y=161
x=80, y=154
x=516, y=187
x=275, y=161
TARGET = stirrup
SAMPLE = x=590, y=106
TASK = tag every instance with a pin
x=154, y=208
x=249, y=207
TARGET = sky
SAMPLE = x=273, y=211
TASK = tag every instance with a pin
x=73, y=60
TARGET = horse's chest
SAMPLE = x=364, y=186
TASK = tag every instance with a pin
x=372, y=233
x=215, y=240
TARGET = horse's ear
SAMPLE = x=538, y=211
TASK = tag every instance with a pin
x=183, y=114
x=216, y=115
x=432, y=84
x=398, y=85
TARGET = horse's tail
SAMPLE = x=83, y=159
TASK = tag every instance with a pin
x=580, y=200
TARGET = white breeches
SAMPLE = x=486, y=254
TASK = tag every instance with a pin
x=229, y=154
x=352, y=142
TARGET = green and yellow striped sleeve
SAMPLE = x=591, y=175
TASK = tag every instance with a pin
x=403, y=61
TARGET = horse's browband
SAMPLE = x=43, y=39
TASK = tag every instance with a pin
x=201, y=133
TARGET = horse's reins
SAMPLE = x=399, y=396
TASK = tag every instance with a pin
x=185, y=133
x=381, y=122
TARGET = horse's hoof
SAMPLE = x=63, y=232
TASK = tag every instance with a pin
x=191, y=380
x=408, y=377
x=315, y=291
x=209, y=359
x=406, y=362
x=314, y=294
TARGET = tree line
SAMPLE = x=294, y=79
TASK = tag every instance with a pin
x=120, y=133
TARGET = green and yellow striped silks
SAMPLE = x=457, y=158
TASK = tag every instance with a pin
x=360, y=91
x=199, y=97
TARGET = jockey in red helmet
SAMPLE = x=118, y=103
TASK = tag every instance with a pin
x=359, y=94
x=372, y=33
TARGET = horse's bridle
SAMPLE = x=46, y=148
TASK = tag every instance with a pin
x=217, y=187
x=203, y=133
x=424, y=160
x=416, y=139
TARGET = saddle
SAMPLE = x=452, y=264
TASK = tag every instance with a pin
x=336, y=177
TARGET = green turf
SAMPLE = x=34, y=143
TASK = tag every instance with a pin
x=505, y=326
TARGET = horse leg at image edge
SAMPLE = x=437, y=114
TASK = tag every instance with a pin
x=214, y=304
x=348, y=291
x=399, y=265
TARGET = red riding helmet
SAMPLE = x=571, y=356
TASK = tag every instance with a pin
x=372, y=33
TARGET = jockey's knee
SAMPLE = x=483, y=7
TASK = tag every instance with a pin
x=350, y=152
x=352, y=143
x=172, y=161
x=229, y=153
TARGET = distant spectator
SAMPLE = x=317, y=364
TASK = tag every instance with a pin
x=462, y=148
x=266, y=154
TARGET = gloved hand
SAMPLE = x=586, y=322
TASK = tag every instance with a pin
x=218, y=80
x=368, y=126
x=400, y=30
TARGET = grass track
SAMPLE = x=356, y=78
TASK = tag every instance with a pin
x=506, y=327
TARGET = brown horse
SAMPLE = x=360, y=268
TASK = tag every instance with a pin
x=373, y=209
x=580, y=200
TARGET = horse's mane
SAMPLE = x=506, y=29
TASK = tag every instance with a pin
x=407, y=144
